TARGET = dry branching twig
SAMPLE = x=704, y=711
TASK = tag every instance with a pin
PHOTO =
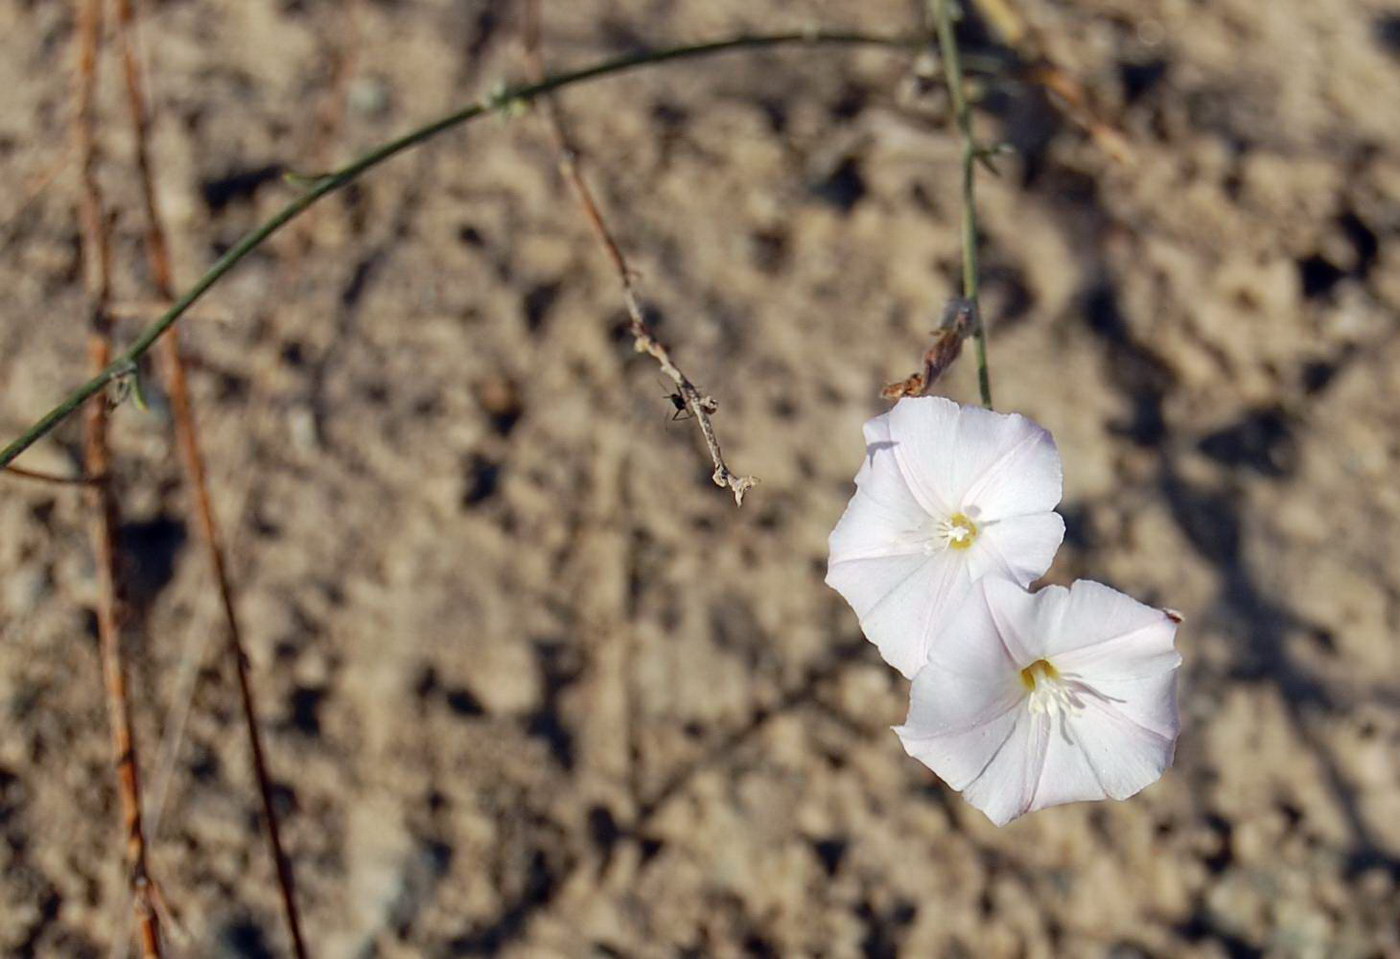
x=96, y=257
x=701, y=405
x=192, y=456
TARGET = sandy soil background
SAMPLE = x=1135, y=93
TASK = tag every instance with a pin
x=532, y=685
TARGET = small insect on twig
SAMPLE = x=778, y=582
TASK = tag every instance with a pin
x=682, y=412
x=682, y=408
x=959, y=321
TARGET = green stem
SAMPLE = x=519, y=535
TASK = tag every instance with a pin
x=332, y=182
x=953, y=71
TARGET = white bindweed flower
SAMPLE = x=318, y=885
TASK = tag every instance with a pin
x=1038, y=699
x=947, y=494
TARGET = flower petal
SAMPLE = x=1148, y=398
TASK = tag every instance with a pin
x=923, y=434
x=1148, y=701
x=883, y=518
x=1102, y=634
x=958, y=757
x=902, y=602
x=967, y=677
x=867, y=582
x=1067, y=775
x=1027, y=477
x=948, y=452
x=1125, y=756
x=1020, y=548
x=965, y=702
x=1006, y=788
x=1018, y=617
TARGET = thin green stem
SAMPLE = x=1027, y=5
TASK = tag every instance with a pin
x=953, y=70
x=330, y=183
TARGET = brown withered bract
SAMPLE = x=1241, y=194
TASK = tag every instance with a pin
x=947, y=344
x=913, y=386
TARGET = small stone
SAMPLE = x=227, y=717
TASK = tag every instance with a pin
x=370, y=96
x=301, y=423
x=506, y=679
x=24, y=588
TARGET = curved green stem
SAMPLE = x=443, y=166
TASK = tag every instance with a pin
x=953, y=70
x=322, y=186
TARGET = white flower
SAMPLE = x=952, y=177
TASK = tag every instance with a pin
x=1038, y=699
x=947, y=494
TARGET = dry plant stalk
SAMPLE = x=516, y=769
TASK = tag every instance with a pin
x=96, y=258
x=701, y=405
x=940, y=16
x=192, y=457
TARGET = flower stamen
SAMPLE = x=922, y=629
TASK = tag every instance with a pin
x=1058, y=695
x=1053, y=694
x=1038, y=673
x=958, y=531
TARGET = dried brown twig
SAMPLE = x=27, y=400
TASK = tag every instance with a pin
x=1067, y=92
x=701, y=405
x=97, y=261
x=191, y=454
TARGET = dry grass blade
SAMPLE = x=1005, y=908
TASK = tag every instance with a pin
x=10, y=225
x=701, y=405
x=96, y=256
x=328, y=116
x=40, y=476
x=191, y=453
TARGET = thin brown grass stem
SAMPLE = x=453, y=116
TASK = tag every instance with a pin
x=192, y=457
x=42, y=476
x=96, y=257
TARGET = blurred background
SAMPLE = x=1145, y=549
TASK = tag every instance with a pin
x=531, y=684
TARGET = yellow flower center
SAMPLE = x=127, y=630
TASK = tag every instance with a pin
x=959, y=531
x=1038, y=674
